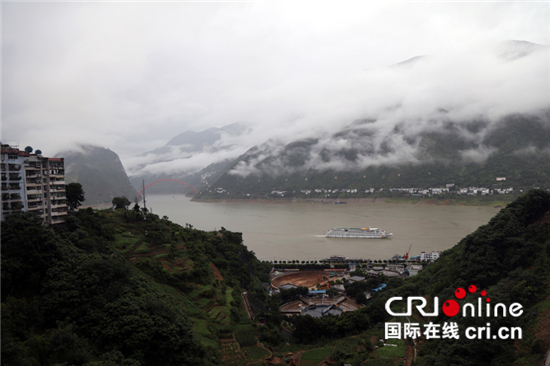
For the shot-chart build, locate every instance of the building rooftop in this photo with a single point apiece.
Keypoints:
(318, 311)
(287, 286)
(379, 288)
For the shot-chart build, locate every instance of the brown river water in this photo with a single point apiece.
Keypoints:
(288, 231)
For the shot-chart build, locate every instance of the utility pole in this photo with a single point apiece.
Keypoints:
(144, 203)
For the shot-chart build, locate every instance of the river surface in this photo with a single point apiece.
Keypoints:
(287, 231)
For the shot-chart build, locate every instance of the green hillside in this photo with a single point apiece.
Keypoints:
(468, 155)
(510, 259)
(112, 288)
(131, 288)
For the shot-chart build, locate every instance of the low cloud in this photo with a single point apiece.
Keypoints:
(131, 76)
(454, 94)
(532, 150)
(478, 155)
(187, 164)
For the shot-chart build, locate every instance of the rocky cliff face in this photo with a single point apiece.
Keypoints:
(100, 173)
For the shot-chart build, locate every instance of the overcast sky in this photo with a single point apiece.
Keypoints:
(130, 76)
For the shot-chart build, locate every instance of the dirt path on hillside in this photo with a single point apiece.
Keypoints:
(217, 274)
(149, 254)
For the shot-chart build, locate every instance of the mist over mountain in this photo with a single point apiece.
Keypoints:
(189, 156)
(363, 156)
(100, 173)
(366, 144)
(439, 112)
(197, 141)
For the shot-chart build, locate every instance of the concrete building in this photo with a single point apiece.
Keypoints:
(353, 279)
(339, 287)
(399, 268)
(32, 182)
(412, 272)
(432, 256)
(390, 274)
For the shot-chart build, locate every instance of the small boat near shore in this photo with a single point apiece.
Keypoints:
(358, 233)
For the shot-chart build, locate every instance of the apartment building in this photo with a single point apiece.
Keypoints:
(32, 182)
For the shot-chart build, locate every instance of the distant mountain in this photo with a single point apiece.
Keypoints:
(195, 158)
(100, 173)
(513, 50)
(205, 139)
(364, 156)
(411, 61)
(423, 138)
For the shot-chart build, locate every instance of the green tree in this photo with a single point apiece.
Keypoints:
(75, 195)
(332, 292)
(361, 298)
(121, 202)
(395, 282)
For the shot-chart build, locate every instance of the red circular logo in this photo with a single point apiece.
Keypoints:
(460, 293)
(472, 289)
(450, 308)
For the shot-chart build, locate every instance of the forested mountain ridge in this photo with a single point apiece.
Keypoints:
(361, 157)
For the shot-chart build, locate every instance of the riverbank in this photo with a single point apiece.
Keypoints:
(291, 200)
(497, 201)
(462, 201)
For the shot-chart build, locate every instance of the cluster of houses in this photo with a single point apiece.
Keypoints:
(397, 270)
(474, 191)
(468, 191)
(319, 303)
(390, 271)
(419, 192)
(423, 257)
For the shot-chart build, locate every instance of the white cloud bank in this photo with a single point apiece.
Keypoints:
(130, 76)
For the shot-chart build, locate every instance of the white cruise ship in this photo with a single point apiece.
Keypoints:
(358, 233)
